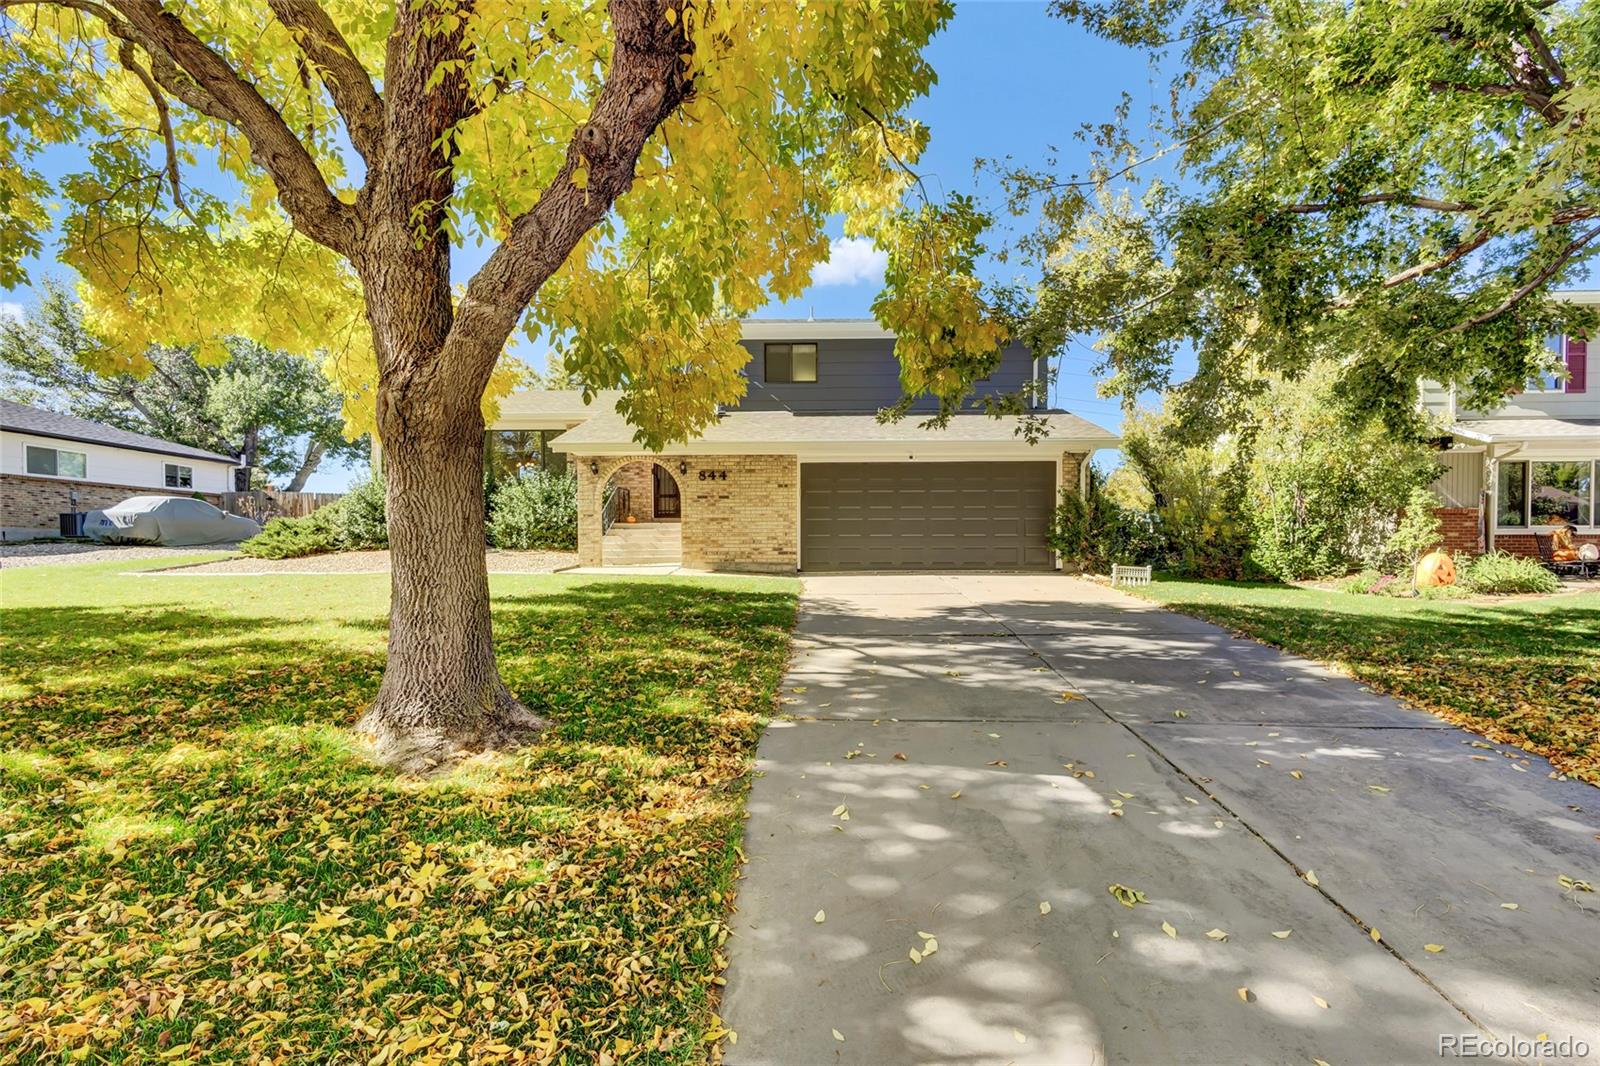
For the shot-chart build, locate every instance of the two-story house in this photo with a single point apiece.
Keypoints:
(801, 474)
(1526, 465)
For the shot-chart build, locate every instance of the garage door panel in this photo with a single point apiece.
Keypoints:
(935, 516)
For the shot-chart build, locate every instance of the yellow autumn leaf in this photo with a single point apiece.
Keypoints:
(1167, 928)
(1433, 948)
(820, 917)
(1319, 1001)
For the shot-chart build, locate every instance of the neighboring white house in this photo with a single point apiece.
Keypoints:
(52, 464)
(1512, 472)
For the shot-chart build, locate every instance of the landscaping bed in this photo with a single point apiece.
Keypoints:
(1523, 671)
(200, 864)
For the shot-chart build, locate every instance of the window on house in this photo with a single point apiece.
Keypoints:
(791, 363)
(1552, 380)
(509, 453)
(179, 477)
(1511, 495)
(56, 462)
(1562, 491)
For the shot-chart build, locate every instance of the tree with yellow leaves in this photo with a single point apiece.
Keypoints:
(645, 171)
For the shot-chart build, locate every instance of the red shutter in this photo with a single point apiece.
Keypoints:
(1577, 363)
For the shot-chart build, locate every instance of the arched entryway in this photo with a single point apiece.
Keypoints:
(640, 514)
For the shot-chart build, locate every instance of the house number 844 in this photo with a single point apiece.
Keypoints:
(713, 475)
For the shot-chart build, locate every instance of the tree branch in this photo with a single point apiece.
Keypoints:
(1534, 99)
(1522, 291)
(1460, 251)
(273, 146)
(1403, 199)
(130, 61)
(645, 84)
(1553, 68)
(335, 62)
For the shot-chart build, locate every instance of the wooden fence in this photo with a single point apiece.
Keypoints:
(262, 504)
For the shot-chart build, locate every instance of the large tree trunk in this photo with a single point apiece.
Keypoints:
(441, 695)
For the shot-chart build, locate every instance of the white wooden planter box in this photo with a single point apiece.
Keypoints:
(1129, 575)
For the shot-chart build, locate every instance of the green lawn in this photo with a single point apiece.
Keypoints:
(1521, 671)
(196, 864)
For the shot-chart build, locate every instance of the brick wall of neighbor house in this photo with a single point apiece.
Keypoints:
(1459, 529)
(37, 502)
(746, 521)
(1524, 544)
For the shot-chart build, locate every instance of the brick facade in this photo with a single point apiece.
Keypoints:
(1524, 543)
(639, 481)
(746, 521)
(38, 502)
(1071, 470)
(1460, 530)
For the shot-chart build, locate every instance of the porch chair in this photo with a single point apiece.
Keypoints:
(1547, 558)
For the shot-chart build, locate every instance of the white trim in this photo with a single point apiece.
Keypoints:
(795, 329)
(1055, 501)
(1492, 483)
(864, 451)
(799, 528)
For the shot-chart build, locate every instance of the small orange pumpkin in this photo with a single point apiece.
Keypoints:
(1436, 568)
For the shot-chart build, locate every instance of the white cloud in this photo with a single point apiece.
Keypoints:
(851, 260)
(11, 310)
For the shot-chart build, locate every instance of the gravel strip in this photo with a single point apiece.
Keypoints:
(377, 562)
(69, 552)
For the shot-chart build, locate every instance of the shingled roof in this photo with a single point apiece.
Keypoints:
(20, 418)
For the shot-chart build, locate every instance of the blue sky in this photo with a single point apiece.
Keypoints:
(1012, 81)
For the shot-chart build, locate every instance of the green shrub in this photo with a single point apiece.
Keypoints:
(1499, 573)
(537, 510)
(361, 518)
(353, 522)
(290, 538)
(1092, 532)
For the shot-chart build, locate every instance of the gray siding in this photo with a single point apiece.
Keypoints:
(1462, 480)
(860, 376)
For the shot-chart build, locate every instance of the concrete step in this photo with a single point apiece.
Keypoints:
(643, 544)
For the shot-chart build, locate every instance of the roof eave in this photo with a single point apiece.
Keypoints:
(901, 450)
(199, 457)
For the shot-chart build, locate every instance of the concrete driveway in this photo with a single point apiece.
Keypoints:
(974, 760)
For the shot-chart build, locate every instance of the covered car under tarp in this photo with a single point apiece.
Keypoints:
(167, 520)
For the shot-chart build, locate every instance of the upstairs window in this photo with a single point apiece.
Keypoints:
(56, 462)
(787, 363)
(179, 477)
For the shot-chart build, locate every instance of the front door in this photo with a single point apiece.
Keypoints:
(667, 503)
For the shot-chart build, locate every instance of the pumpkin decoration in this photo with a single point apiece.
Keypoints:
(1436, 568)
(631, 519)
